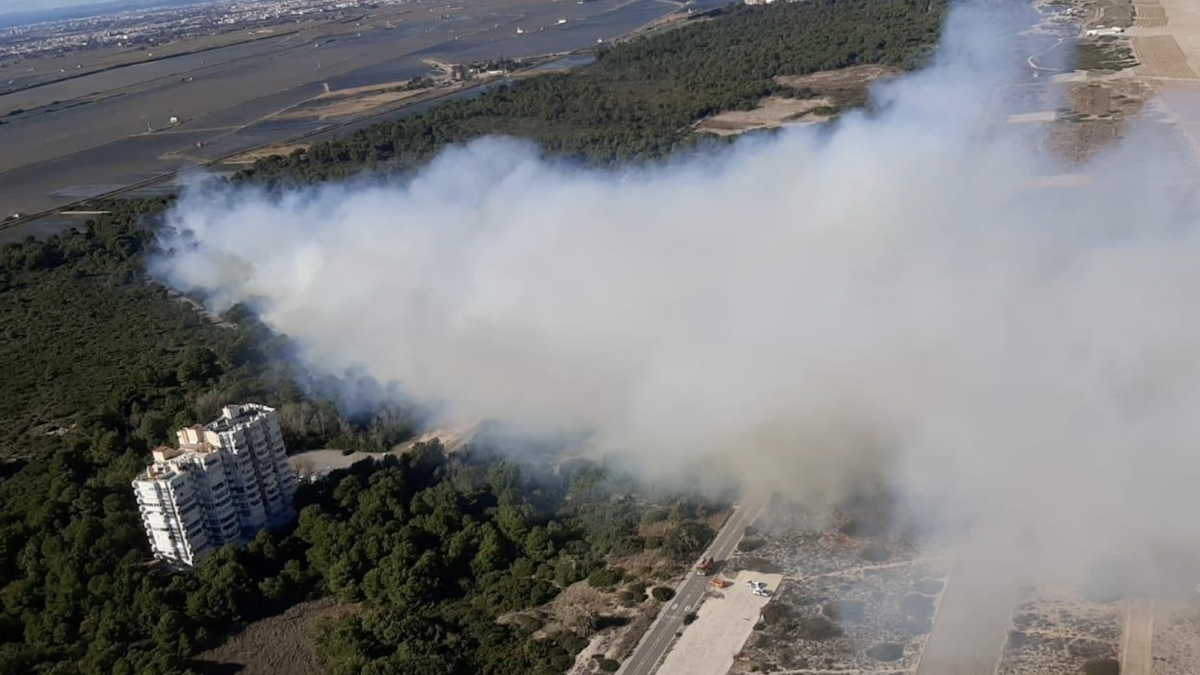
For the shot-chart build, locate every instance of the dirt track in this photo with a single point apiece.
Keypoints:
(969, 630)
(1136, 652)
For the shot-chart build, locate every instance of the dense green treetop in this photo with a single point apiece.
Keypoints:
(640, 98)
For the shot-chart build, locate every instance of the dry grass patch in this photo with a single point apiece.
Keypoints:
(771, 113)
(276, 645)
(263, 153)
(853, 78)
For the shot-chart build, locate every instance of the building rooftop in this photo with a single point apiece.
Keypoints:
(198, 440)
(234, 416)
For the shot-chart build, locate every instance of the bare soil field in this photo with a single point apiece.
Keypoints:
(1161, 56)
(351, 102)
(855, 77)
(771, 113)
(1183, 22)
(263, 153)
(280, 644)
(317, 463)
(1149, 14)
(1056, 631)
(1110, 13)
(852, 600)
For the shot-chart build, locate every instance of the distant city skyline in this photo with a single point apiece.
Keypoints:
(33, 5)
(8, 7)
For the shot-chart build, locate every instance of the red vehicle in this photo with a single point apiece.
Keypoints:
(705, 566)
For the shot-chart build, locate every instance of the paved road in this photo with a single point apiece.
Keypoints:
(655, 643)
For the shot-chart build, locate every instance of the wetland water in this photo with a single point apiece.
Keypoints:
(80, 137)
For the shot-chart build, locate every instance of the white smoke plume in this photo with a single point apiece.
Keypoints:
(886, 299)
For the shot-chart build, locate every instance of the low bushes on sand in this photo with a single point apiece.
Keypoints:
(885, 651)
(1102, 667)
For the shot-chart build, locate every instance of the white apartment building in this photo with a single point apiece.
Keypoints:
(227, 480)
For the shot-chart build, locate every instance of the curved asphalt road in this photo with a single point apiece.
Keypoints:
(688, 596)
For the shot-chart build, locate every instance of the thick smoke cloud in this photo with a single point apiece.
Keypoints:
(888, 300)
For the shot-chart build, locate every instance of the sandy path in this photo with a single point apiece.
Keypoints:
(972, 619)
(1138, 640)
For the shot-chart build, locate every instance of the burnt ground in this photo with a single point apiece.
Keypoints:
(852, 598)
(1176, 647)
(1058, 631)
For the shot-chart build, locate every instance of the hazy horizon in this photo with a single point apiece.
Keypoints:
(14, 7)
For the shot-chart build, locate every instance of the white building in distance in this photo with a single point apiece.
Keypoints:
(227, 480)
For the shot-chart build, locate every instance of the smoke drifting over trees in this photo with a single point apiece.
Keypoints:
(888, 300)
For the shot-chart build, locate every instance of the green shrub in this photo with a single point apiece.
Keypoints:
(776, 613)
(885, 651)
(606, 577)
(817, 628)
(662, 593)
(686, 540)
(653, 516)
(609, 665)
(928, 586)
(605, 621)
(915, 605)
(1017, 639)
(528, 623)
(1102, 667)
(875, 554)
(844, 610)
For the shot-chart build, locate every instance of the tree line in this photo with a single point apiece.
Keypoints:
(638, 100)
